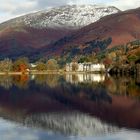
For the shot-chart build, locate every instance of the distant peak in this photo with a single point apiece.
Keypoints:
(83, 5)
(68, 16)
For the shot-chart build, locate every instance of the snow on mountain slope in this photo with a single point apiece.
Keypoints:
(70, 16)
(26, 34)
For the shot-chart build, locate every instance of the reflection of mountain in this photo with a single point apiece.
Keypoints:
(74, 123)
(91, 98)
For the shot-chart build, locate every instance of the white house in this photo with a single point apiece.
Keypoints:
(86, 67)
(97, 67)
(69, 67)
(33, 65)
(80, 67)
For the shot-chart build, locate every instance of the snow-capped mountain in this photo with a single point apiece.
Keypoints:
(26, 34)
(70, 16)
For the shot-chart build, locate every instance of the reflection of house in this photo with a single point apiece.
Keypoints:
(85, 67)
(87, 78)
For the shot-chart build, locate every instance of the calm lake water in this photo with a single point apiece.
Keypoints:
(69, 107)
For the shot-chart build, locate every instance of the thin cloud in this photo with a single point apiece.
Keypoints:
(125, 4)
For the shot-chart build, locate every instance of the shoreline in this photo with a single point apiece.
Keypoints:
(61, 72)
(47, 72)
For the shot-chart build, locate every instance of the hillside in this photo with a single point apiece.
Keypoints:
(25, 35)
(121, 28)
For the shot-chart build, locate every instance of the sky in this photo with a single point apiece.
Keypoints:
(13, 8)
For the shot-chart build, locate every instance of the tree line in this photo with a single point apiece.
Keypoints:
(22, 65)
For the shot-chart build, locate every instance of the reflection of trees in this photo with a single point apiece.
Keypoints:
(133, 89)
(138, 79)
(50, 80)
(6, 81)
(120, 85)
(40, 80)
(123, 85)
(21, 81)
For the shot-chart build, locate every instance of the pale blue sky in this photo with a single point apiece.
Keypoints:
(12, 8)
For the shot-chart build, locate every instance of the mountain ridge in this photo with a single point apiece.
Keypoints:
(72, 16)
(122, 27)
(29, 33)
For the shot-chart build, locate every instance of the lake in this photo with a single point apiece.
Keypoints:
(69, 107)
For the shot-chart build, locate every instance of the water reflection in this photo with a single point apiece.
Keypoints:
(20, 81)
(14, 131)
(50, 80)
(70, 123)
(126, 86)
(84, 78)
(72, 105)
(6, 81)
